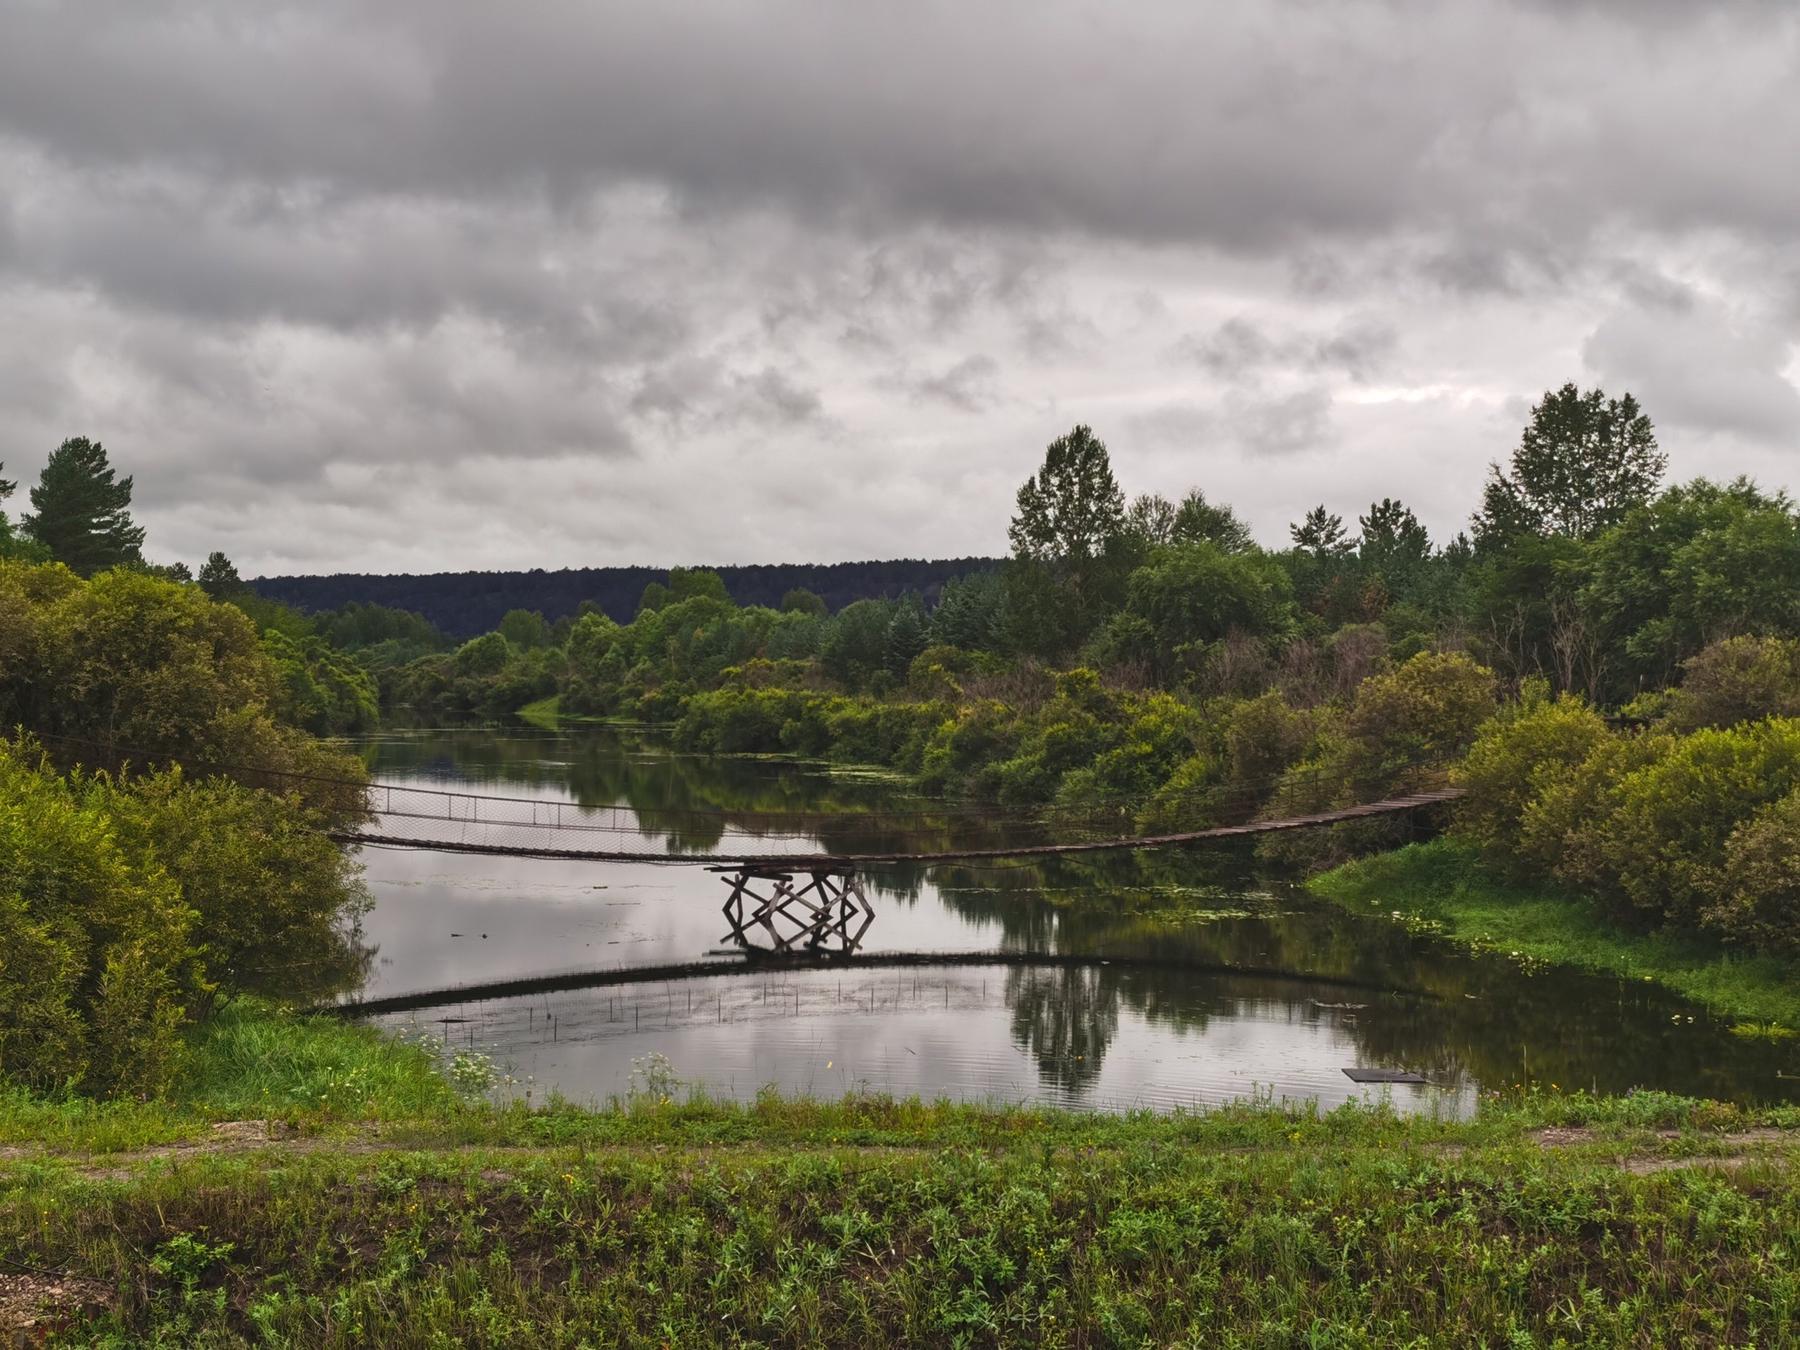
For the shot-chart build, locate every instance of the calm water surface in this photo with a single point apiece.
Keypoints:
(1330, 991)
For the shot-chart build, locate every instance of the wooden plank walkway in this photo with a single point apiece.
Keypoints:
(837, 862)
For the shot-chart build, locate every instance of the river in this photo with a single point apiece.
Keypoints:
(1209, 981)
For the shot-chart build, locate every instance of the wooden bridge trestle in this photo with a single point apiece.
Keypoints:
(828, 912)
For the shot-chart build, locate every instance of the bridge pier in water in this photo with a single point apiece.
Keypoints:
(815, 911)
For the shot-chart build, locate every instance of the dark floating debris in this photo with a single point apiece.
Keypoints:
(1384, 1076)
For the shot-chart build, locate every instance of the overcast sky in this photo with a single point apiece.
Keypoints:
(423, 285)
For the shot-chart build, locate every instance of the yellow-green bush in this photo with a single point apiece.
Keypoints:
(1516, 758)
(1738, 680)
(125, 906)
(1659, 838)
(1757, 896)
(96, 966)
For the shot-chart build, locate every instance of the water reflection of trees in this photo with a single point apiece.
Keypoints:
(689, 803)
(1066, 1017)
(1425, 1004)
(1477, 1016)
(1484, 1023)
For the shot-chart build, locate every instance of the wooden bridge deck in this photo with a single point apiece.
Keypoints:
(845, 862)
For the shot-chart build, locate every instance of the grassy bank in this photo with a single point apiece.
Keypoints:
(1445, 883)
(396, 1211)
(543, 712)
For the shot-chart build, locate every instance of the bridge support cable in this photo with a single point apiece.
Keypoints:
(767, 861)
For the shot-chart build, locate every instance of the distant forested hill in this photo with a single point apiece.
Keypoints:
(465, 604)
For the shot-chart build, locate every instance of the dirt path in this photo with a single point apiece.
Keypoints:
(1747, 1146)
(231, 1137)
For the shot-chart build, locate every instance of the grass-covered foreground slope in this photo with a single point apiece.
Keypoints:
(1445, 882)
(390, 1212)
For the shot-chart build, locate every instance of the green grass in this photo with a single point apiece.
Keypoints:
(543, 712)
(1445, 883)
(252, 1059)
(1135, 1246)
(407, 1213)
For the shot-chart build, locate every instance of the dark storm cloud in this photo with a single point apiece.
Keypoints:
(1242, 125)
(549, 273)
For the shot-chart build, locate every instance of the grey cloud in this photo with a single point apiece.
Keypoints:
(1703, 371)
(1243, 350)
(342, 283)
(774, 397)
(967, 386)
(1286, 425)
(1247, 127)
(1182, 425)
(702, 391)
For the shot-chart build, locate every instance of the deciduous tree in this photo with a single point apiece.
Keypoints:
(1583, 461)
(1069, 544)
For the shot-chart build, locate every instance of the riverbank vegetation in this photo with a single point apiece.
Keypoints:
(1665, 850)
(1446, 884)
(136, 896)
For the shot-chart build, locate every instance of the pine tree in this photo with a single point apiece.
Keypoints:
(1321, 534)
(80, 513)
(219, 576)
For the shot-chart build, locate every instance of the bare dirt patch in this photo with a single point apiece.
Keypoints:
(1748, 1146)
(1562, 1136)
(34, 1306)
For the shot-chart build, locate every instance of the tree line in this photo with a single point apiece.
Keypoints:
(1137, 664)
(467, 604)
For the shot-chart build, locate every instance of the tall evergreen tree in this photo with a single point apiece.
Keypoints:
(81, 513)
(1393, 541)
(1321, 534)
(219, 576)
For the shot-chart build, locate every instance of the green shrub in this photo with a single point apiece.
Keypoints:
(96, 967)
(1263, 736)
(1756, 901)
(1186, 799)
(963, 749)
(276, 901)
(319, 688)
(1429, 708)
(485, 655)
(1516, 757)
(1658, 841)
(126, 905)
(1737, 680)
